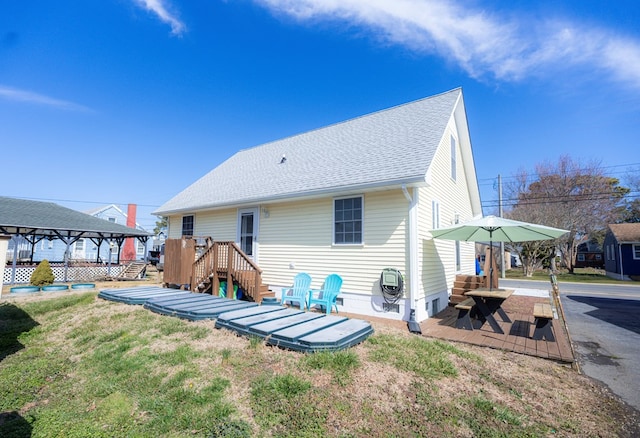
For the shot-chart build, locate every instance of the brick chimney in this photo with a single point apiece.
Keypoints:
(129, 251)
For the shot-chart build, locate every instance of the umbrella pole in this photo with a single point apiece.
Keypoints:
(490, 260)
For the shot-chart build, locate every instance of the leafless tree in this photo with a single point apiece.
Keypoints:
(631, 210)
(570, 195)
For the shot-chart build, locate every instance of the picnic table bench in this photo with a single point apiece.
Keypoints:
(465, 309)
(543, 315)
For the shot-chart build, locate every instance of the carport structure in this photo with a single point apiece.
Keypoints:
(37, 220)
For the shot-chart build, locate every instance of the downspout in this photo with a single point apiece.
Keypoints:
(412, 227)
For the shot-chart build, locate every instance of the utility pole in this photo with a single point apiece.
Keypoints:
(502, 260)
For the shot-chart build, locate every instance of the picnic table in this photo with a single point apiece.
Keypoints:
(487, 303)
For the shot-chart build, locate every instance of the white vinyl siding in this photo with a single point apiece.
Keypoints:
(439, 258)
(298, 237)
(220, 225)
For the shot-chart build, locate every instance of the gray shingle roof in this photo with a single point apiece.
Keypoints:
(42, 218)
(385, 148)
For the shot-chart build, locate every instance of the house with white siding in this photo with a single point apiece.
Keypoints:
(351, 198)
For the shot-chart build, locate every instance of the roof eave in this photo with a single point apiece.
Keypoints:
(419, 181)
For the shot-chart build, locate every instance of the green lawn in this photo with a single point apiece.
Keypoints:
(78, 366)
(580, 275)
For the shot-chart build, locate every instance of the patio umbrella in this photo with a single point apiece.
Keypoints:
(497, 229)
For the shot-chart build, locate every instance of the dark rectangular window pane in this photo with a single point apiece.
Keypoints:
(348, 221)
(187, 225)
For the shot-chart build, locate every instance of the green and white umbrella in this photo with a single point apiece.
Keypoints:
(496, 229)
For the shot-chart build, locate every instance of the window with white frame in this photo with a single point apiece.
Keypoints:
(140, 248)
(347, 221)
(79, 245)
(187, 225)
(435, 215)
(453, 158)
(112, 219)
(581, 257)
(636, 251)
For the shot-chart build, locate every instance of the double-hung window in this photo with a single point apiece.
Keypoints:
(453, 158)
(140, 248)
(187, 225)
(435, 215)
(347, 221)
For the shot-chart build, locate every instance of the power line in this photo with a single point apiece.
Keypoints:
(558, 199)
(491, 180)
(85, 202)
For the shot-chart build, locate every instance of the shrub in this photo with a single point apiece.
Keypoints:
(43, 275)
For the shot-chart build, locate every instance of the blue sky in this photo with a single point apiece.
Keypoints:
(130, 101)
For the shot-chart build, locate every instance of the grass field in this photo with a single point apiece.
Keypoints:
(580, 275)
(74, 365)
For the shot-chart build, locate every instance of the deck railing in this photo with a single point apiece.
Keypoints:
(227, 262)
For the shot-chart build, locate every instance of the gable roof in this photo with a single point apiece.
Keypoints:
(386, 148)
(21, 216)
(626, 232)
(99, 210)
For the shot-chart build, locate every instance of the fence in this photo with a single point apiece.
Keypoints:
(74, 273)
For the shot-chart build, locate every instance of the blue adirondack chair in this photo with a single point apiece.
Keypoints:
(298, 292)
(326, 297)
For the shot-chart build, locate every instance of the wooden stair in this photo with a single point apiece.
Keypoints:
(463, 284)
(133, 271)
(207, 285)
(225, 261)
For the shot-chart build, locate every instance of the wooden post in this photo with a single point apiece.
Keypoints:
(215, 283)
(488, 264)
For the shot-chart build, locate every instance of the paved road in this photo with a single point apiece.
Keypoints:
(605, 330)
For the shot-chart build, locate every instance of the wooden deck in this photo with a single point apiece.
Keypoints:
(517, 336)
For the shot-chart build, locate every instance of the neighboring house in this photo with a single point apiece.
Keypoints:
(352, 198)
(589, 255)
(622, 251)
(83, 249)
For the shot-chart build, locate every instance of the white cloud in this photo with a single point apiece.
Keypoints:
(482, 43)
(17, 95)
(158, 7)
